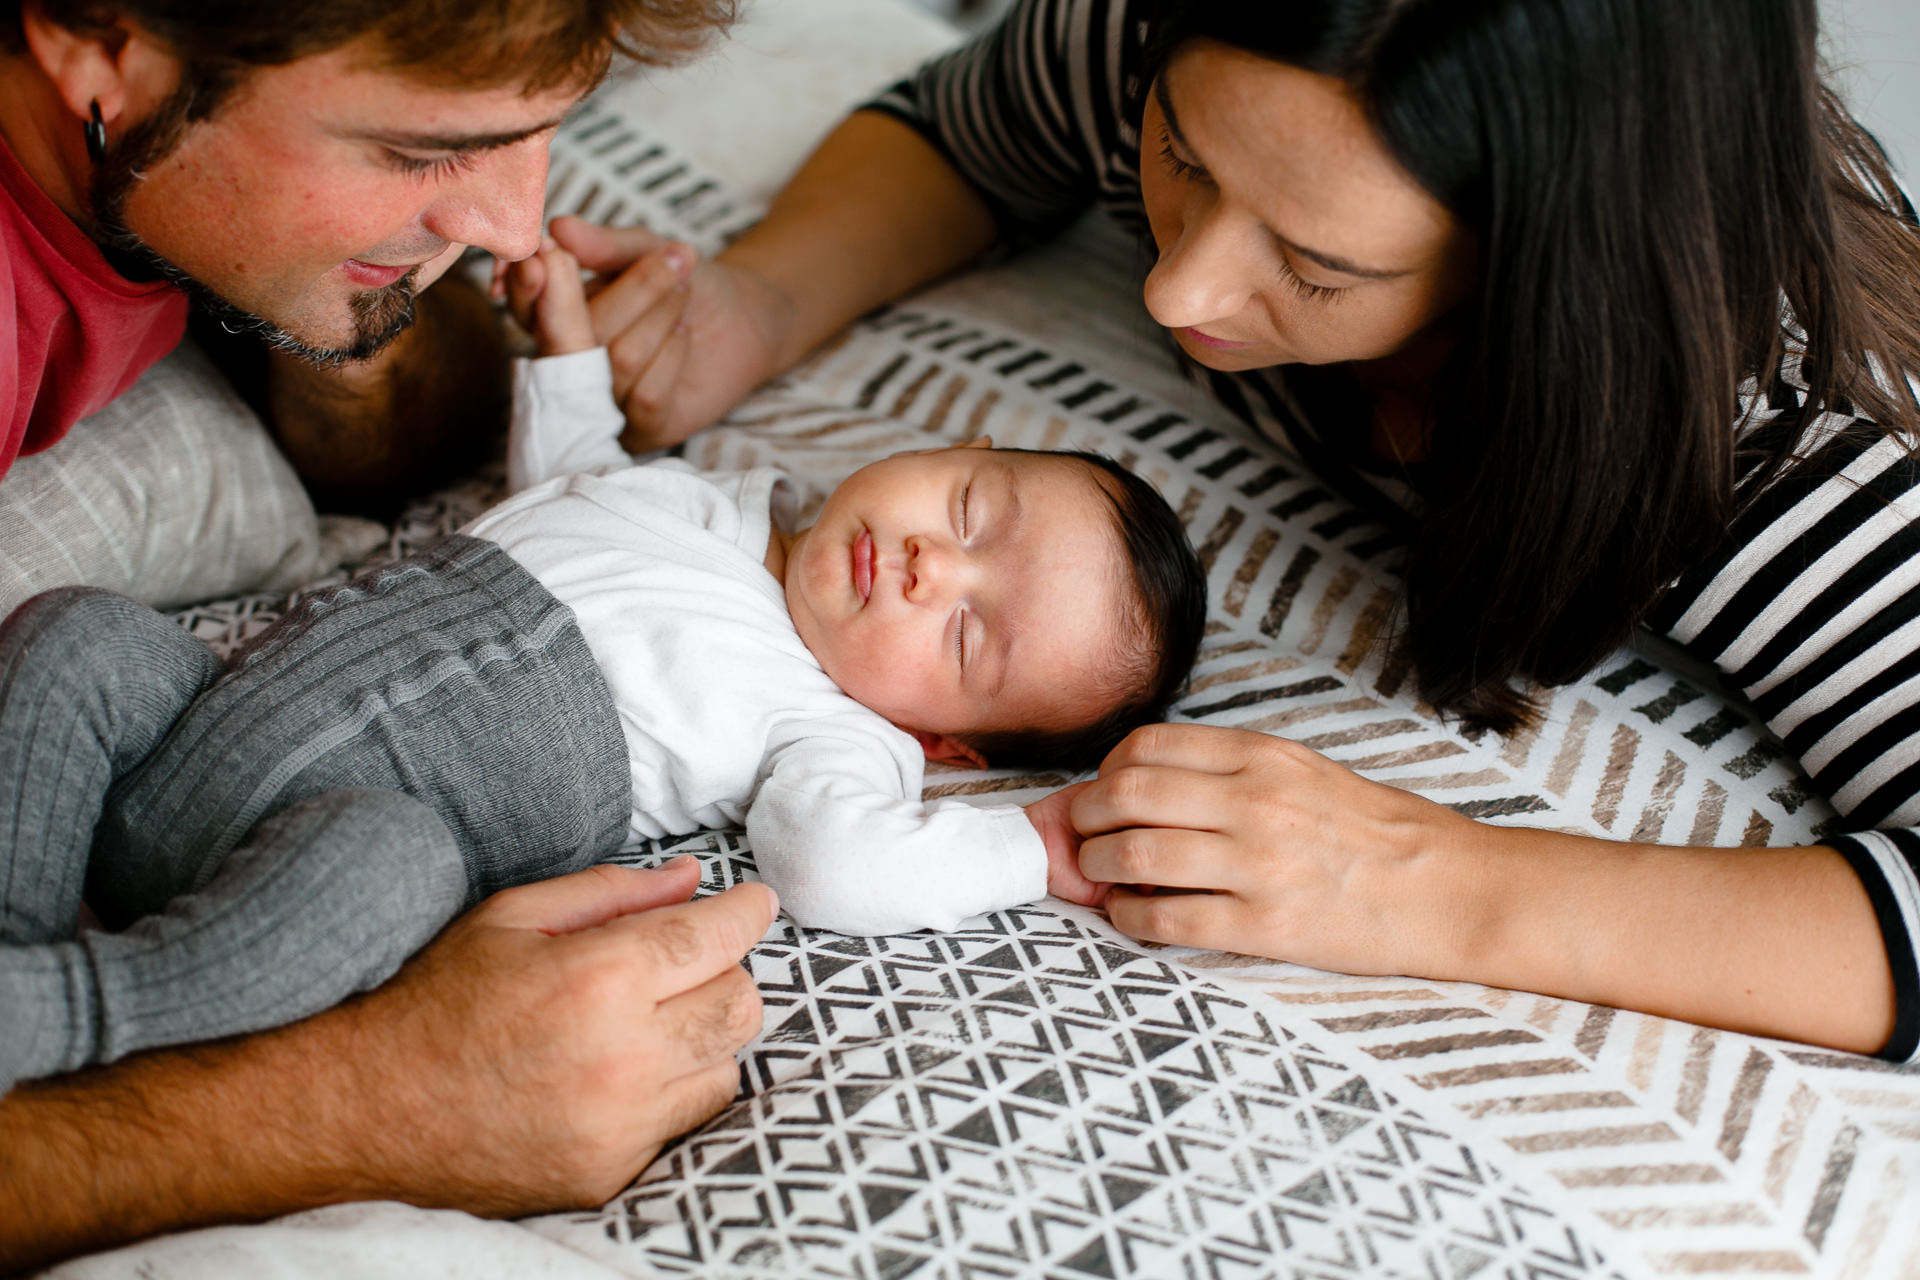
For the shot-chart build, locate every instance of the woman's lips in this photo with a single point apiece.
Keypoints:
(863, 565)
(372, 275)
(1208, 340)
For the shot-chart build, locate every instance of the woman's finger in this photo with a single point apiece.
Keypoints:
(649, 404)
(1156, 796)
(639, 346)
(1204, 748)
(1209, 920)
(1163, 856)
(638, 290)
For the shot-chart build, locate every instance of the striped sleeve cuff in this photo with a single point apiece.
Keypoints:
(1888, 864)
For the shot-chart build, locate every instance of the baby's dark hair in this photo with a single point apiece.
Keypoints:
(1160, 640)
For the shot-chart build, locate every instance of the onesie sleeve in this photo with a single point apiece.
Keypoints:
(564, 419)
(1812, 609)
(1010, 111)
(846, 850)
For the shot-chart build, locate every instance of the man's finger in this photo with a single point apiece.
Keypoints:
(688, 943)
(604, 248)
(708, 1024)
(588, 899)
(1171, 858)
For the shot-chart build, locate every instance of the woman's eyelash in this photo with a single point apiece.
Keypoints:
(1311, 292)
(1181, 169)
(438, 167)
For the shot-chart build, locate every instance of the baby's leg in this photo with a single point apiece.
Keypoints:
(324, 899)
(89, 683)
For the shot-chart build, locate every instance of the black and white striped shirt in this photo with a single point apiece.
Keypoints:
(1812, 607)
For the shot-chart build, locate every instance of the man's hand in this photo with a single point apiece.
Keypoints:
(535, 1057)
(1051, 818)
(539, 1054)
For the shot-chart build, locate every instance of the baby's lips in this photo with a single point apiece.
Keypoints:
(863, 565)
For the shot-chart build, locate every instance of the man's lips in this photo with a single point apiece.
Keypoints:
(374, 275)
(863, 565)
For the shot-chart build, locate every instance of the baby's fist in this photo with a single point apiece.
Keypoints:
(1049, 817)
(548, 297)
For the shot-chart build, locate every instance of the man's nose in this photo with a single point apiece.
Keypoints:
(497, 204)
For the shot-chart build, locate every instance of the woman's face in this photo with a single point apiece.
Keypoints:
(1287, 233)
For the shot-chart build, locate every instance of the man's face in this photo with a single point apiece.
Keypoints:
(966, 591)
(322, 194)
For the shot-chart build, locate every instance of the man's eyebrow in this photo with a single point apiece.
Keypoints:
(453, 141)
(1331, 262)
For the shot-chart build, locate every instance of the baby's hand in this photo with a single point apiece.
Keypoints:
(1049, 818)
(548, 297)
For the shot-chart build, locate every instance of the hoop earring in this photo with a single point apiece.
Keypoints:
(96, 130)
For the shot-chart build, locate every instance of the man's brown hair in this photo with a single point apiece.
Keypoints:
(539, 44)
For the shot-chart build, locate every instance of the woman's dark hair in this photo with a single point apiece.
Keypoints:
(1161, 638)
(1665, 200)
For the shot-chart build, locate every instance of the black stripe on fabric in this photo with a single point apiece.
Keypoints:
(1827, 668)
(1869, 749)
(1900, 1046)
(1235, 392)
(1888, 798)
(1791, 561)
(1877, 566)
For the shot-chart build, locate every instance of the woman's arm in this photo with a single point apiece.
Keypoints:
(1304, 860)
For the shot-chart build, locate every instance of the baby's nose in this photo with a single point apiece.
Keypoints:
(931, 568)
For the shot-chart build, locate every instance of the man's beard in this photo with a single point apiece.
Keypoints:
(379, 315)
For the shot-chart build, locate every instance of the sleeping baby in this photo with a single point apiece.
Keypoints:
(614, 652)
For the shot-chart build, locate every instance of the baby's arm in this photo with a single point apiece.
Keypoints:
(838, 836)
(564, 417)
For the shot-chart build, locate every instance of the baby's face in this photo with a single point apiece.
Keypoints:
(966, 591)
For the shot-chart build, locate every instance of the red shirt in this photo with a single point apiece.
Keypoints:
(74, 333)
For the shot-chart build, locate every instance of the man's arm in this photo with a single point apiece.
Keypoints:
(366, 437)
(535, 1057)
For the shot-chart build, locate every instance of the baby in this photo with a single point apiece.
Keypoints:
(638, 653)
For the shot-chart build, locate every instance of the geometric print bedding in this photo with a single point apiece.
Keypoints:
(1035, 1095)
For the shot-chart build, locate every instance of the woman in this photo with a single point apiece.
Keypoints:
(1580, 291)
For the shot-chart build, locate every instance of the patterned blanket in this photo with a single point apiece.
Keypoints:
(1035, 1095)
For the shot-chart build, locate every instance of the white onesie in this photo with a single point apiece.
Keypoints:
(726, 713)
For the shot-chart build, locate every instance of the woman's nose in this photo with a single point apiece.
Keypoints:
(1204, 276)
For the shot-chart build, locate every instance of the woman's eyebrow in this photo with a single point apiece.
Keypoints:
(1332, 262)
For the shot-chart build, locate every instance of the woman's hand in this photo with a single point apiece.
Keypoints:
(1237, 841)
(688, 340)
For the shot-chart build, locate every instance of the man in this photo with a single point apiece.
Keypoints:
(304, 173)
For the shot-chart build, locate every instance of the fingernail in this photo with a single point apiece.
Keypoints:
(776, 899)
(681, 860)
(678, 257)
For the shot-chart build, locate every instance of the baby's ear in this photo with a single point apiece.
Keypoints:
(941, 749)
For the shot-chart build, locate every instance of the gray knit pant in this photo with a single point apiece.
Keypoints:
(270, 838)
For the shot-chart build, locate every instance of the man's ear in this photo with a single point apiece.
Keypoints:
(941, 749)
(114, 63)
